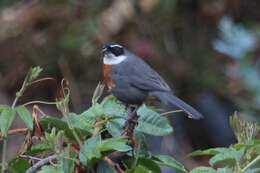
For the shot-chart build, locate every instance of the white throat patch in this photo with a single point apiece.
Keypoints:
(111, 59)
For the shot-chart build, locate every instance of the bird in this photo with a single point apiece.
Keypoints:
(132, 81)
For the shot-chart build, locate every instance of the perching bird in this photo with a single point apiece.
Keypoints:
(132, 81)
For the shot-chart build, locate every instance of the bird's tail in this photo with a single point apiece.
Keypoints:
(170, 100)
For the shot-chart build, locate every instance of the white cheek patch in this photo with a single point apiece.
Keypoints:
(110, 59)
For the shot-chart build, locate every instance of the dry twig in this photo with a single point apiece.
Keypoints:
(41, 163)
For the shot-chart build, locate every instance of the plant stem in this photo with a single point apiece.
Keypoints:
(18, 95)
(4, 155)
(251, 163)
(65, 114)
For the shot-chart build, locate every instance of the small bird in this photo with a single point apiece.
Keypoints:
(132, 81)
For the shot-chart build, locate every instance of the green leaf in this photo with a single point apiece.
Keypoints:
(227, 158)
(152, 123)
(138, 169)
(211, 151)
(18, 165)
(253, 170)
(165, 160)
(90, 150)
(104, 167)
(6, 119)
(26, 116)
(78, 122)
(203, 169)
(141, 169)
(95, 110)
(225, 170)
(116, 143)
(149, 164)
(34, 73)
(113, 108)
(2, 107)
(39, 148)
(68, 161)
(116, 113)
(51, 169)
(48, 121)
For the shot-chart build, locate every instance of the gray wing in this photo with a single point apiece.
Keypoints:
(142, 76)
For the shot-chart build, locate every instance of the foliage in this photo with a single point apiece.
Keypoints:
(85, 141)
(243, 157)
(92, 140)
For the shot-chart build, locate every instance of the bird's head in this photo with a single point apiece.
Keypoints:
(113, 54)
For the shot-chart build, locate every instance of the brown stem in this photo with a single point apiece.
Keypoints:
(15, 131)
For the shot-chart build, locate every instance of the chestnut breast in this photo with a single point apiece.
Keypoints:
(107, 70)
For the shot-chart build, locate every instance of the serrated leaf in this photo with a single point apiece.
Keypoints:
(211, 151)
(78, 122)
(165, 160)
(113, 108)
(18, 165)
(90, 150)
(104, 167)
(6, 119)
(117, 114)
(203, 169)
(26, 116)
(227, 158)
(116, 143)
(151, 122)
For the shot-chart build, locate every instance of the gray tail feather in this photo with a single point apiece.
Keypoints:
(172, 101)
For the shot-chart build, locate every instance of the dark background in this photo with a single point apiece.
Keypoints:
(207, 50)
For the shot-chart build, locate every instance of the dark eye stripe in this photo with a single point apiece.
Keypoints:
(117, 51)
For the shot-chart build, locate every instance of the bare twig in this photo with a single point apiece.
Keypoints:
(130, 124)
(43, 79)
(41, 163)
(30, 157)
(15, 131)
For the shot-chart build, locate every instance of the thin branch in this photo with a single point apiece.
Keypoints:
(43, 79)
(41, 163)
(40, 102)
(18, 95)
(251, 163)
(15, 131)
(30, 157)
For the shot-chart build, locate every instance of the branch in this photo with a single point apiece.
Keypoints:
(15, 131)
(130, 124)
(30, 157)
(251, 163)
(41, 163)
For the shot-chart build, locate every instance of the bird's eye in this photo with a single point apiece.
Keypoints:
(117, 51)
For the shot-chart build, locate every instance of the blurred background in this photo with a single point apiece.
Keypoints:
(207, 50)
